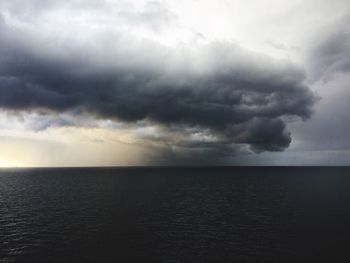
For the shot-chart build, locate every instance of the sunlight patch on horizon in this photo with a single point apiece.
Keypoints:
(7, 163)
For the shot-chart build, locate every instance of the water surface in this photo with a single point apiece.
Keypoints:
(175, 215)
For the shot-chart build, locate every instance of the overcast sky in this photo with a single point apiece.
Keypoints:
(203, 82)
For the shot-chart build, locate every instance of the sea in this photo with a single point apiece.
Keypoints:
(175, 214)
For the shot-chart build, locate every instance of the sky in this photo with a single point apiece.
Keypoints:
(202, 82)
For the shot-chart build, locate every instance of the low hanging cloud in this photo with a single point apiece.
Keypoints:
(209, 97)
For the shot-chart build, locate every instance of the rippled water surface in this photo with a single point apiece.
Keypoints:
(175, 215)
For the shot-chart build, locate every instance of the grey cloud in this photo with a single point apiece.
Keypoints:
(329, 127)
(154, 15)
(331, 53)
(281, 46)
(31, 8)
(44, 122)
(236, 96)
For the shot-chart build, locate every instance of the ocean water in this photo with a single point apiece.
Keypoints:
(256, 214)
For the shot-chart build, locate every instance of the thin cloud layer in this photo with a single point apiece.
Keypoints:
(208, 96)
(331, 54)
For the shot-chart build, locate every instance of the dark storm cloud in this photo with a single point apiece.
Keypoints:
(222, 94)
(331, 54)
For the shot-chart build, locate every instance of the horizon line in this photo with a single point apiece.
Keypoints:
(170, 166)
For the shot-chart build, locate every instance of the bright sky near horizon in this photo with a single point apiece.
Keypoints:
(130, 82)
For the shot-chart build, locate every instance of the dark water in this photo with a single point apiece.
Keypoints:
(175, 215)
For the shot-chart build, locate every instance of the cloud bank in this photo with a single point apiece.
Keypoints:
(206, 97)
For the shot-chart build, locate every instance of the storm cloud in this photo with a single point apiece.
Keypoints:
(209, 96)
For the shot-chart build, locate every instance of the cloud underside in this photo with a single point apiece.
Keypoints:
(206, 97)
